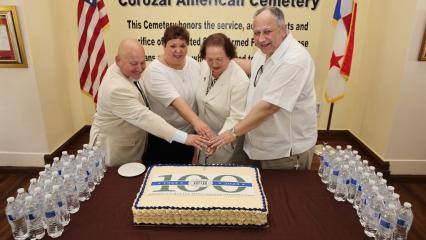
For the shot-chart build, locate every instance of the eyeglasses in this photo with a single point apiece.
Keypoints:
(256, 78)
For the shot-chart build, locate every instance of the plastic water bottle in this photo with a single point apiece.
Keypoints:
(33, 185)
(366, 196)
(359, 187)
(58, 197)
(20, 197)
(51, 212)
(82, 184)
(38, 197)
(334, 174)
(71, 194)
(403, 222)
(343, 180)
(376, 207)
(48, 171)
(326, 172)
(34, 217)
(47, 188)
(16, 219)
(353, 181)
(98, 169)
(57, 166)
(325, 151)
(103, 154)
(386, 223)
(64, 157)
(57, 180)
(89, 172)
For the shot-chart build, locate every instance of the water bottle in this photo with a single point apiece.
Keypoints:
(64, 157)
(41, 178)
(403, 222)
(343, 181)
(334, 174)
(386, 223)
(97, 168)
(58, 197)
(375, 208)
(38, 197)
(82, 184)
(51, 212)
(353, 177)
(325, 151)
(89, 173)
(57, 165)
(33, 185)
(395, 201)
(102, 153)
(48, 171)
(16, 219)
(367, 193)
(363, 178)
(20, 197)
(326, 171)
(71, 194)
(348, 150)
(68, 169)
(34, 217)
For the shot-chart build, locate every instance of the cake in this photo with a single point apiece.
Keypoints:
(221, 195)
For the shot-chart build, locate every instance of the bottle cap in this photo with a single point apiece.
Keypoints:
(10, 199)
(64, 153)
(407, 204)
(20, 190)
(56, 159)
(33, 180)
(338, 147)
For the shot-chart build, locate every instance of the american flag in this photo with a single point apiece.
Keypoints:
(92, 18)
(344, 18)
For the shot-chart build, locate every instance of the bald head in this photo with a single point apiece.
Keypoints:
(131, 59)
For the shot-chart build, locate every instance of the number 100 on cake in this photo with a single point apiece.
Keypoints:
(201, 195)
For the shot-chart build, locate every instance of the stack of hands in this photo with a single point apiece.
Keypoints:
(207, 140)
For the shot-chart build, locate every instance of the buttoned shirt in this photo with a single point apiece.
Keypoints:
(286, 80)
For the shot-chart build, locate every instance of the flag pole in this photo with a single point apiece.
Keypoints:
(330, 114)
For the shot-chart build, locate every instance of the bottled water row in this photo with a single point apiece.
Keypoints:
(378, 206)
(56, 194)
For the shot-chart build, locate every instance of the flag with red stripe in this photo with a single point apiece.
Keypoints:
(341, 58)
(92, 19)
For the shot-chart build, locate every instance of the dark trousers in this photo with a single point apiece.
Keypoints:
(159, 151)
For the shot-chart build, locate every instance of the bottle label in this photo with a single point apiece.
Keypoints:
(385, 223)
(374, 214)
(97, 163)
(88, 173)
(353, 181)
(326, 164)
(359, 188)
(60, 204)
(401, 222)
(347, 181)
(335, 172)
(11, 218)
(31, 216)
(60, 172)
(50, 214)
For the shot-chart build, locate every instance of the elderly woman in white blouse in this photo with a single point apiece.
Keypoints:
(221, 97)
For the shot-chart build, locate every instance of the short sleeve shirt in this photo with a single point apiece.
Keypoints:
(287, 81)
(164, 84)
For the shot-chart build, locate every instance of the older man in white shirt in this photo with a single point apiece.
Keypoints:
(280, 125)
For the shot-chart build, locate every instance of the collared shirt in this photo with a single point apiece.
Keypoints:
(287, 81)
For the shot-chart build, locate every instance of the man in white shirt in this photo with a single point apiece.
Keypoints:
(280, 125)
(123, 117)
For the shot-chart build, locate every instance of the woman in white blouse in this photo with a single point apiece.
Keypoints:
(170, 82)
(222, 95)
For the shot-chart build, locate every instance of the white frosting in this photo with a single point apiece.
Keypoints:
(222, 195)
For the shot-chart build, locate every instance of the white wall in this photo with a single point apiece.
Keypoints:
(22, 134)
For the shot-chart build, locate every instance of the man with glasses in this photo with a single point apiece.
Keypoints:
(280, 125)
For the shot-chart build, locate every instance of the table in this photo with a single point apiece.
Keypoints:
(300, 207)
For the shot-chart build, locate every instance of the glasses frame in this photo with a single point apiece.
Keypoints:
(258, 74)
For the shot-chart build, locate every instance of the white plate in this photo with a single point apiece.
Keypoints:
(132, 169)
